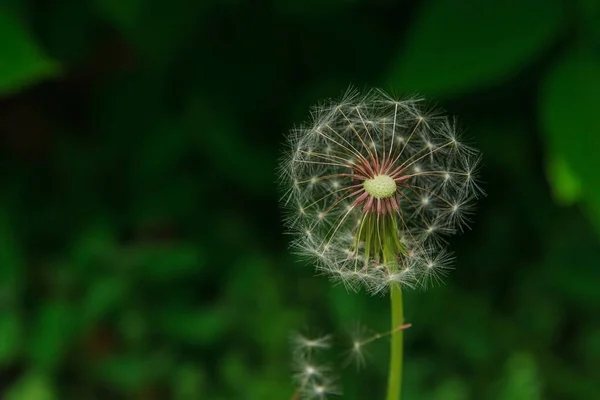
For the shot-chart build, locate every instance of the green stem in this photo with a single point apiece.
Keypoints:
(381, 241)
(395, 373)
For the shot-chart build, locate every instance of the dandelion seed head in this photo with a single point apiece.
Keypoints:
(372, 187)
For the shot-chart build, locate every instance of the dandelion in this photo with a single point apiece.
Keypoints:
(373, 186)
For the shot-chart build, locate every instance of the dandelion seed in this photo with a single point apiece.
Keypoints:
(303, 343)
(306, 371)
(360, 338)
(314, 380)
(320, 390)
(357, 353)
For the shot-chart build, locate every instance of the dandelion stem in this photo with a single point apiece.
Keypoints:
(395, 373)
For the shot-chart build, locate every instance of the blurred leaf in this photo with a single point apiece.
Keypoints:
(466, 332)
(32, 386)
(455, 46)
(133, 328)
(94, 245)
(451, 389)
(10, 337)
(565, 184)
(197, 327)
(188, 382)
(158, 262)
(235, 371)
(571, 261)
(22, 63)
(51, 334)
(271, 382)
(548, 316)
(415, 378)
(569, 116)
(102, 296)
(126, 372)
(521, 380)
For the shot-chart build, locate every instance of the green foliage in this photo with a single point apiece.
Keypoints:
(454, 47)
(141, 248)
(451, 389)
(569, 103)
(188, 383)
(565, 183)
(51, 333)
(521, 381)
(127, 372)
(194, 327)
(10, 332)
(32, 386)
(23, 62)
(103, 295)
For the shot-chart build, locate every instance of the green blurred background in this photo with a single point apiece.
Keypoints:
(141, 248)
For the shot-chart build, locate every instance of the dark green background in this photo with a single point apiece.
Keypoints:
(141, 248)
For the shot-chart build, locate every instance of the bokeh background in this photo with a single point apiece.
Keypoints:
(141, 248)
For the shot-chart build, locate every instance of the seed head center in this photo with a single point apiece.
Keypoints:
(380, 187)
